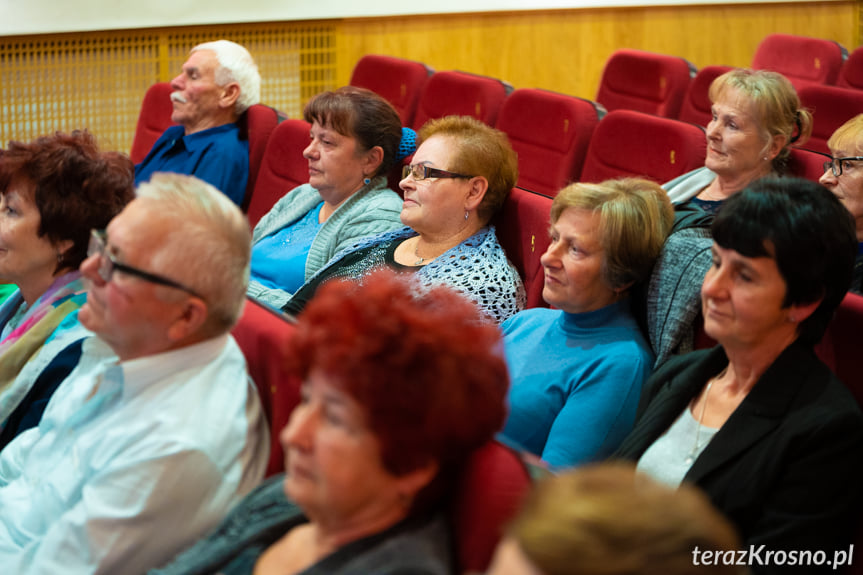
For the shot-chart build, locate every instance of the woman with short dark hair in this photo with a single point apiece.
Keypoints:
(53, 192)
(356, 139)
(759, 422)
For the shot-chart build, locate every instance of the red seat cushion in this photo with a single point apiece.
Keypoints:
(696, 108)
(627, 143)
(283, 167)
(461, 94)
(851, 75)
(522, 228)
(261, 334)
(550, 133)
(644, 81)
(398, 81)
(801, 59)
(153, 119)
(831, 107)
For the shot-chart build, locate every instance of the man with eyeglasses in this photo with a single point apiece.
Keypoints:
(158, 430)
(843, 175)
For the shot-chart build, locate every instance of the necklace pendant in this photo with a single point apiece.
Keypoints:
(419, 262)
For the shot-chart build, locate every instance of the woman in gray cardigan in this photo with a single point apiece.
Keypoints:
(355, 140)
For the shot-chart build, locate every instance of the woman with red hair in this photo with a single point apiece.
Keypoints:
(398, 389)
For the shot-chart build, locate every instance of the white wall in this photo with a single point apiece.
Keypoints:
(46, 16)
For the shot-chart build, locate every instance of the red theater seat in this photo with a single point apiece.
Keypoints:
(153, 119)
(840, 348)
(806, 164)
(257, 125)
(851, 75)
(283, 167)
(801, 59)
(550, 133)
(627, 143)
(261, 334)
(697, 106)
(644, 81)
(522, 228)
(490, 493)
(398, 81)
(831, 107)
(462, 94)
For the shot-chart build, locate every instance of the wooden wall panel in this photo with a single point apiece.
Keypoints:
(566, 50)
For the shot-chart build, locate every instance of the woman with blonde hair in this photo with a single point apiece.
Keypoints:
(577, 370)
(603, 520)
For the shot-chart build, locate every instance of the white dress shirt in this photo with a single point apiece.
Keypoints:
(132, 461)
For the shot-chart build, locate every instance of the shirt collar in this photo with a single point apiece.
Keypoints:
(195, 142)
(144, 372)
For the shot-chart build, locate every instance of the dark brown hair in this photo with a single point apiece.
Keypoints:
(74, 186)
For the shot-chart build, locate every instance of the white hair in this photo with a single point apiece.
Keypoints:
(236, 65)
(209, 245)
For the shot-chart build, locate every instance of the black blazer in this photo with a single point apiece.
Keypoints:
(786, 467)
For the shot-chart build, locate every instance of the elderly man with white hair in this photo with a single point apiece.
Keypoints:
(218, 83)
(158, 430)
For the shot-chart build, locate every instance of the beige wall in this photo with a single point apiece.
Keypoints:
(565, 50)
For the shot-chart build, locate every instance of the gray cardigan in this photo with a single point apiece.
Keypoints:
(684, 188)
(373, 209)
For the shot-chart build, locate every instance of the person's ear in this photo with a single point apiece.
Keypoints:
(777, 142)
(191, 317)
(476, 192)
(797, 313)
(412, 482)
(229, 95)
(373, 160)
(62, 247)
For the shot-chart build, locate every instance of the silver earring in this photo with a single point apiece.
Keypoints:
(466, 215)
(765, 158)
(367, 181)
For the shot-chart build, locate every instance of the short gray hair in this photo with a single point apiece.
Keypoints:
(209, 245)
(236, 65)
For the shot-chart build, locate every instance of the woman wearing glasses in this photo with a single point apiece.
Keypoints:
(53, 191)
(843, 175)
(461, 174)
(356, 137)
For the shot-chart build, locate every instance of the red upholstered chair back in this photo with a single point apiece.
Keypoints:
(522, 229)
(831, 107)
(840, 347)
(627, 143)
(696, 108)
(644, 81)
(153, 119)
(851, 75)
(261, 334)
(256, 125)
(283, 167)
(398, 81)
(806, 164)
(801, 59)
(462, 94)
(550, 133)
(490, 493)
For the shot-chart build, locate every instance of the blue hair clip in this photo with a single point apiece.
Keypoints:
(408, 144)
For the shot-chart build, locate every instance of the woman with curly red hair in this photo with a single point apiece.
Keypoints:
(398, 389)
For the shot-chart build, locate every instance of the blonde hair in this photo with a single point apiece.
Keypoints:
(635, 218)
(606, 520)
(777, 108)
(848, 136)
(480, 150)
(209, 245)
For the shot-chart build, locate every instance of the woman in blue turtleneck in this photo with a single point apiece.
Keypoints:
(577, 370)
